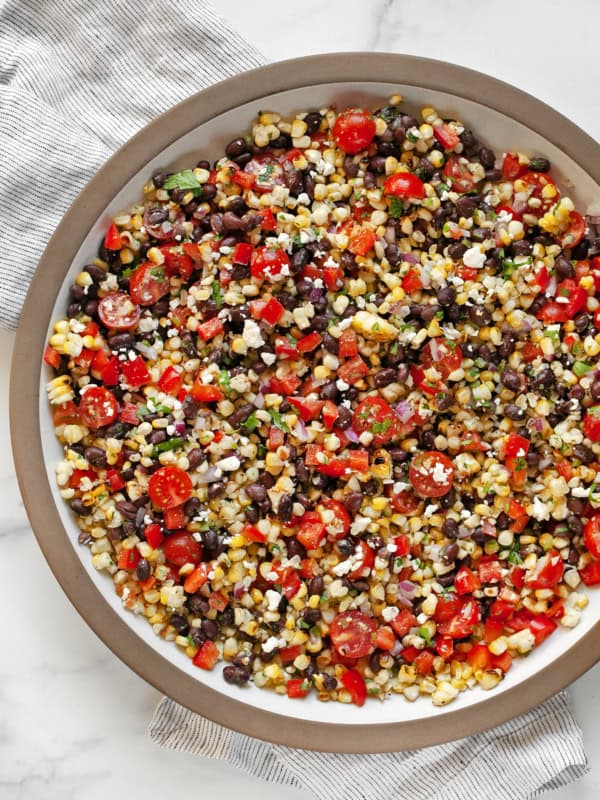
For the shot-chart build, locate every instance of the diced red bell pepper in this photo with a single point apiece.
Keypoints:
(242, 253)
(424, 662)
(402, 543)
(252, 533)
(211, 328)
(52, 357)
(78, 475)
(272, 312)
(135, 372)
(330, 414)
(154, 535)
(129, 415)
(290, 583)
(128, 559)
(112, 238)
(354, 683)
(207, 656)
(174, 518)
(591, 424)
(361, 240)
(516, 445)
(353, 370)
(286, 385)
(548, 571)
(276, 438)
(332, 278)
(110, 372)
(466, 581)
(590, 574)
(409, 654)
(284, 348)
(309, 342)
(479, 657)
(311, 530)
(348, 344)
(206, 392)
(171, 381)
(196, 579)
(297, 687)
(412, 281)
(444, 646)
(489, 570)
(308, 409)
(269, 223)
(289, 654)
(541, 626)
(512, 168)
(114, 480)
(446, 136)
(502, 662)
(403, 622)
(493, 628)
(244, 179)
(519, 516)
(384, 638)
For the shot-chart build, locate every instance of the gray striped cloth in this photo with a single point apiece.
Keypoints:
(77, 79)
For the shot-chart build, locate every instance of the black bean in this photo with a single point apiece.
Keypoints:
(236, 147)
(544, 379)
(369, 180)
(350, 168)
(487, 157)
(127, 509)
(215, 489)
(582, 321)
(95, 455)
(121, 341)
(79, 508)
(238, 676)
(465, 206)
(302, 473)
(457, 250)
(537, 305)
(353, 501)
(374, 661)
(309, 184)
(447, 579)
(240, 415)
(311, 615)
(142, 571)
(539, 164)
(511, 379)
(315, 586)
(284, 509)
(449, 553)
(480, 316)
(312, 122)
(584, 453)
(521, 248)
(195, 457)
(329, 391)
(446, 296)
(575, 525)
(237, 316)
(450, 528)
(344, 419)
(576, 505)
(595, 389)
(210, 628)
(513, 412)
(294, 548)
(577, 393)
(427, 440)
(564, 268)
(377, 164)
(532, 458)
(345, 546)
(192, 507)
(384, 377)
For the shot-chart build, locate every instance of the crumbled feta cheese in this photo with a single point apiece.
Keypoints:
(252, 335)
(539, 510)
(342, 385)
(389, 613)
(273, 599)
(268, 358)
(473, 257)
(229, 464)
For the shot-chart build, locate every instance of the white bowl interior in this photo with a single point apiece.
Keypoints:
(207, 141)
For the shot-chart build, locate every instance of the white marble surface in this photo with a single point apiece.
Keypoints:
(72, 717)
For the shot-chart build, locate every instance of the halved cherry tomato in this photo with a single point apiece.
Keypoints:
(348, 344)
(570, 300)
(207, 656)
(590, 574)
(574, 232)
(458, 174)
(354, 683)
(375, 415)
(591, 536)
(548, 571)
(112, 238)
(534, 184)
(181, 548)
(311, 530)
(129, 414)
(406, 502)
(354, 130)
(308, 409)
(177, 262)
(148, 284)
(443, 355)
(339, 525)
(591, 424)
(268, 263)
(364, 560)
(97, 407)
(447, 607)
(431, 474)
(135, 372)
(267, 172)
(384, 638)
(286, 385)
(406, 185)
(444, 646)
(446, 136)
(462, 624)
(169, 486)
(242, 253)
(352, 634)
(361, 240)
(52, 357)
(512, 168)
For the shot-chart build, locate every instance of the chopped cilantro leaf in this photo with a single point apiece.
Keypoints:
(184, 180)
(396, 207)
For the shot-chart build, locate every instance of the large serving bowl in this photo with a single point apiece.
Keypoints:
(200, 127)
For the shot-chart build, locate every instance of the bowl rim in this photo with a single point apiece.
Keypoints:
(345, 67)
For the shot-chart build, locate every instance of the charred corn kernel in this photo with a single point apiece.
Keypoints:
(490, 678)
(155, 255)
(381, 467)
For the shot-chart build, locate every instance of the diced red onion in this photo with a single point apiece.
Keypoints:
(408, 589)
(259, 400)
(435, 349)
(180, 427)
(239, 590)
(404, 410)
(410, 258)
(147, 350)
(300, 431)
(551, 290)
(536, 424)
(351, 435)
(212, 474)
(519, 203)
(489, 527)
(390, 234)
(397, 648)
(401, 600)
(545, 463)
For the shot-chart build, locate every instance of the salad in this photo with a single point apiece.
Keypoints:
(330, 406)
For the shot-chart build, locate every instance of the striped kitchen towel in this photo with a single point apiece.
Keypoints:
(77, 79)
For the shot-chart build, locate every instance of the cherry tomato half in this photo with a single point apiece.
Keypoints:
(533, 185)
(405, 185)
(268, 172)
(352, 634)
(459, 175)
(591, 536)
(181, 548)
(118, 312)
(575, 231)
(431, 474)
(97, 407)
(374, 415)
(354, 130)
(268, 263)
(169, 487)
(148, 284)
(338, 527)
(443, 355)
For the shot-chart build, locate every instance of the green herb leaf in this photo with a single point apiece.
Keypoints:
(424, 634)
(278, 420)
(224, 380)
(183, 180)
(396, 207)
(581, 368)
(252, 422)
(217, 294)
(163, 447)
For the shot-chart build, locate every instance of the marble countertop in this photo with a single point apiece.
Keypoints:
(72, 717)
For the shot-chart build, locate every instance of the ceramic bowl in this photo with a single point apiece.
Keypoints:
(200, 127)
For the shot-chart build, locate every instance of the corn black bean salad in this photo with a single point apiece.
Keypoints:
(330, 407)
